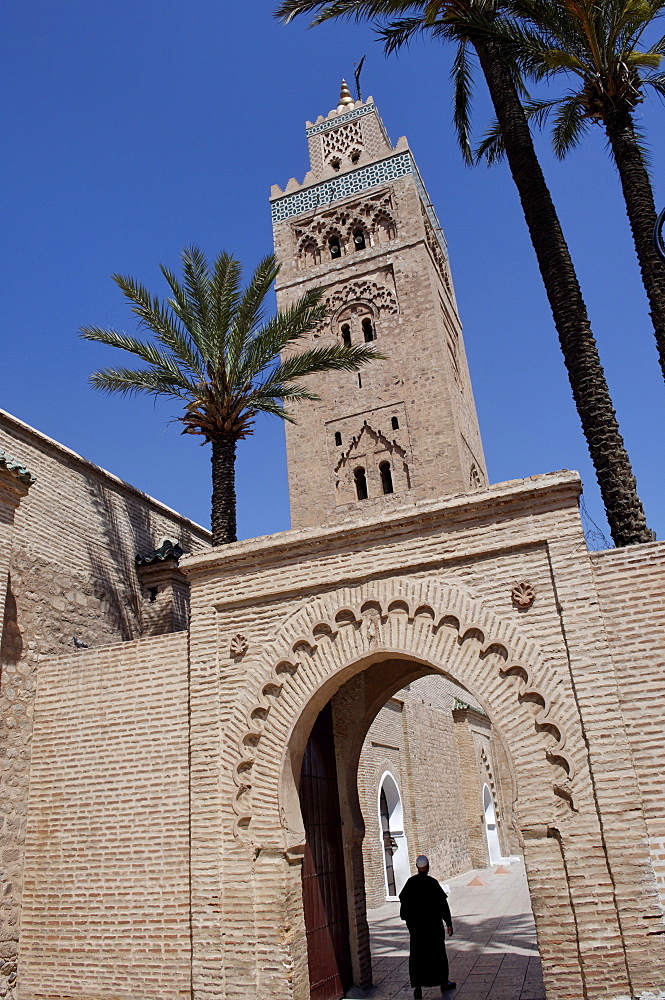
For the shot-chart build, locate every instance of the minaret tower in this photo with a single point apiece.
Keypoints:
(361, 226)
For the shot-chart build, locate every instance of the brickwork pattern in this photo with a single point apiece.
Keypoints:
(300, 649)
(383, 750)
(66, 569)
(426, 591)
(106, 896)
(631, 590)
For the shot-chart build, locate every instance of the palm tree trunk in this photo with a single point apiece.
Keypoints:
(223, 489)
(641, 210)
(587, 379)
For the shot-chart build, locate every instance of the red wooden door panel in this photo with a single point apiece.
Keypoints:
(323, 881)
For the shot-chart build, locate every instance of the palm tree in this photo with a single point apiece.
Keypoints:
(215, 351)
(449, 19)
(598, 44)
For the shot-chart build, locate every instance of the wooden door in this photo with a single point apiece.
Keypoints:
(323, 881)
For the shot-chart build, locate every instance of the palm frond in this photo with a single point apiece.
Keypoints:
(398, 34)
(295, 393)
(657, 81)
(197, 287)
(658, 46)
(129, 382)
(491, 149)
(154, 315)
(643, 60)
(150, 353)
(225, 291)
(539, 111)
(335, 357)
(462, 77)
(557, 59)
(275, 409)
(249, 313)
(326, 10)
(113, 338)
(182, 308)
(570, 123)
(288, 326)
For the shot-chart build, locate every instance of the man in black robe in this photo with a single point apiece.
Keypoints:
(425, 910)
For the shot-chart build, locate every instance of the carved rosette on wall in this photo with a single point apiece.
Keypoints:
(523, 595)
(238, 646)
(397, 625)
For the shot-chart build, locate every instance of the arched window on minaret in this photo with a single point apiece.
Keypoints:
(346, 334)
(310, 253)
(359, 239)
(338, 438)
(386, 477)
(335, 247)
(384, 228)
(368, 330)
(394, 423)
(360, 480)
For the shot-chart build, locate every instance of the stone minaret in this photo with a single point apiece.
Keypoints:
(362, 227)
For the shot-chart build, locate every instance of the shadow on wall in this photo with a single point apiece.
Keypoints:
(11, 648)
(127, 529)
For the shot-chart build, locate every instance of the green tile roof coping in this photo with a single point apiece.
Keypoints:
(15, 468)
(464, 706)
(165, 552)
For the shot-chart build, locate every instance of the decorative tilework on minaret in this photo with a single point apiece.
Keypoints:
(362, 227)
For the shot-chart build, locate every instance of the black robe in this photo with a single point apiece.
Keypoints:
(425, 910)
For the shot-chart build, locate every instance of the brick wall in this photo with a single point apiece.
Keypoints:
(70, 572)
(383, 750)
(105, 903)
(631, 590)
(433, 761)
(317, 604)
(329, 613)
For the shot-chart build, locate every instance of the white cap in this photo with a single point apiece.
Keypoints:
(422, 861)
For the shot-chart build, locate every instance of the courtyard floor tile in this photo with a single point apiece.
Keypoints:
(493, 954)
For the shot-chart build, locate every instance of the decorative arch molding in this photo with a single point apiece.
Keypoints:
(364, 292)
(440, 629)
(377, 438)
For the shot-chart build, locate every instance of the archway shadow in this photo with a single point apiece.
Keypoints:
(494, 957)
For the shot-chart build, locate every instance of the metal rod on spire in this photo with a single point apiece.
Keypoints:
(356, 74)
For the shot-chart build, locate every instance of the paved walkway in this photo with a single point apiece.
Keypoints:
(493, 953)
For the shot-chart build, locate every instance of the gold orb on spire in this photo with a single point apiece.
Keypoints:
(345, 100)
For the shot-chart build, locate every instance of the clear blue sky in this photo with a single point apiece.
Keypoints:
(130, 129)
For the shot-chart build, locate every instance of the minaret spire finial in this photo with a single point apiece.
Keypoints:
(345, 100)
